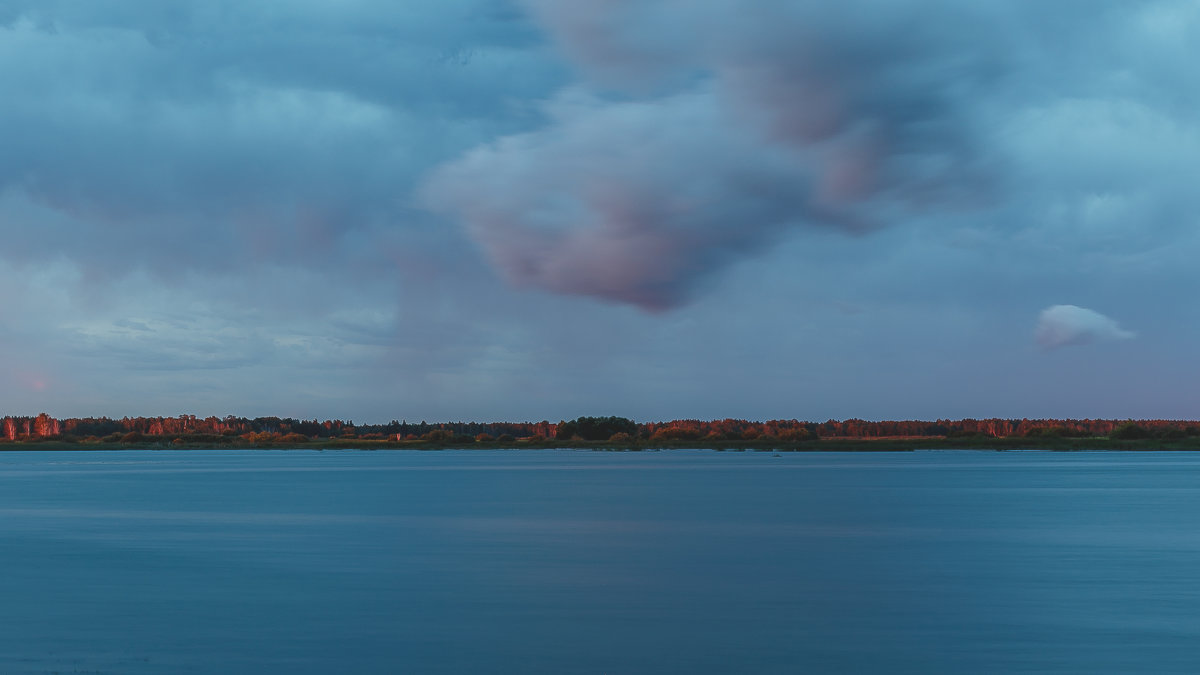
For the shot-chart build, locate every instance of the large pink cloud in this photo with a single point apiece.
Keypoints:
(715, 143)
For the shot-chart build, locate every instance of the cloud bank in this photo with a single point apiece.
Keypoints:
(822, 192)
(1068, 325)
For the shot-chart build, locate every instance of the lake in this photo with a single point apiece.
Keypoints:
(560, 561)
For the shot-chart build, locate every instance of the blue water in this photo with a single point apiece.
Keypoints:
(595, 562)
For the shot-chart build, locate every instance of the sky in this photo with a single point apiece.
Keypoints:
(533, 209)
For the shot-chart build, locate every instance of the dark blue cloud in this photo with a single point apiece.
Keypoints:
(250, 131)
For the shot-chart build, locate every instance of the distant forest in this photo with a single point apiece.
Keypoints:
(224, 430)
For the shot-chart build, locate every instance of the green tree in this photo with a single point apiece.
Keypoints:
(595, 428)
(1129, 431)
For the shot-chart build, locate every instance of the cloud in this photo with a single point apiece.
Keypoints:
(629, 202)
(1067, 123)
(237, 178)
(798, 115)
(1068, 325)
(254, 133)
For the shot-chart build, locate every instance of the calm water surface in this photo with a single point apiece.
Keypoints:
(594, 562)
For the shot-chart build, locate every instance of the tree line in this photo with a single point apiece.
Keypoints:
(617, 429)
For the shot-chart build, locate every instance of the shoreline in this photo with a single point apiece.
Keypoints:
(1095, 444)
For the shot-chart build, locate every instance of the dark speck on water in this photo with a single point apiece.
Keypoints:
(582, 562)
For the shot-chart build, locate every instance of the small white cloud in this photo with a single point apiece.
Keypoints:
(1066, 325)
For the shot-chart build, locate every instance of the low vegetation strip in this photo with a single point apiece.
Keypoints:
(598, 433)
